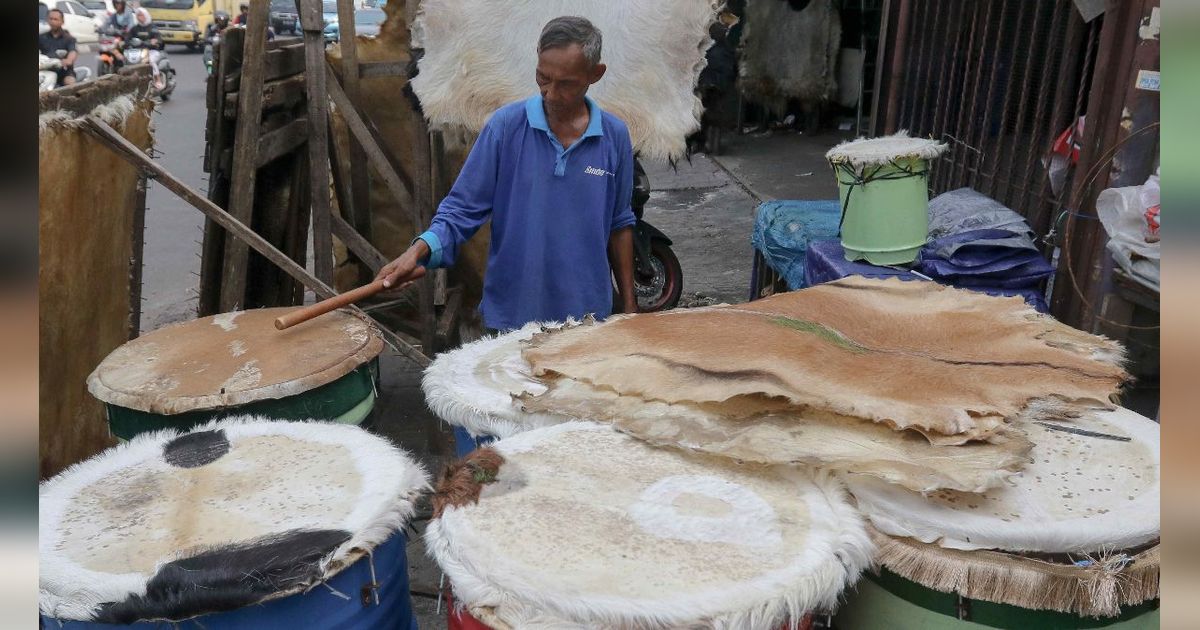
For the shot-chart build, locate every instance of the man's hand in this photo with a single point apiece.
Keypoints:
(395, 271)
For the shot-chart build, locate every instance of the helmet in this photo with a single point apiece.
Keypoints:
(221, 18)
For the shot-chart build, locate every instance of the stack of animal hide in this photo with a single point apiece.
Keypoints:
(916, 383)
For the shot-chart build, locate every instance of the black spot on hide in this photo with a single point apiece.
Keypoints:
(228, 577)
(193, 450)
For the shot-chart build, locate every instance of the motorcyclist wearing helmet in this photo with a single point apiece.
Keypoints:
(220, 23)
(151, 40)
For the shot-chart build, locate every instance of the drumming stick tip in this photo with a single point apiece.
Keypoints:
(280, 324)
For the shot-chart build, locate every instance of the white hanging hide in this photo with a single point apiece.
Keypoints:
(481, 55)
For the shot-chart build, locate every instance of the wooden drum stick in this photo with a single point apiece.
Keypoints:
(338, 301)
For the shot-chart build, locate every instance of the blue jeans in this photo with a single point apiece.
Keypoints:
(464, 443)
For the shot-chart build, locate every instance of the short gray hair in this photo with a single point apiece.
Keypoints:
(571, 29)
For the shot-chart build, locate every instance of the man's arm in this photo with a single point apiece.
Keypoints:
(620, 257)
(459, 216)
(72, 54)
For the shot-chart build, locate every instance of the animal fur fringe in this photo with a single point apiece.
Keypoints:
(1098, 590)
(463, 480)
(114, 112)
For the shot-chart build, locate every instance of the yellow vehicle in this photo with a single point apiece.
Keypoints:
(185, 21)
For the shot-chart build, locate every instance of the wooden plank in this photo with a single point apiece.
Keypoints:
(286, 92)
(280, 142)
(378, 156)
(359, 213)
(245, 154)
(359, 246)
(450, 315)
(421, 209)
(318, 146)
(377, 69)
(277, 64)
(132, 154)
(227, 57)
(138, 243)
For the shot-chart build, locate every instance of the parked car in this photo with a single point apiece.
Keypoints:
(77, 20)
(366, 22)
(329, 11)
(283, 17)
(100, 10)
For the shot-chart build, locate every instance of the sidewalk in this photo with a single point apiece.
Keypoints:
(708, 216)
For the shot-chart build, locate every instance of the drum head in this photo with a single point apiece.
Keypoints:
(593, 527)
(884, 150)
(1092, 485)
(473, 386)
(167, 526)
(232, 359)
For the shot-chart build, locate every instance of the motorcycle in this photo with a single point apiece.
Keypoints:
(107, 60)
(212, 44)
(136, 52)
(657, 274)
(48, 67)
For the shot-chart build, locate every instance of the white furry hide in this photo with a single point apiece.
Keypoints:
(473, 386)
(787, 54)
(103, 521)
(1078, 494)
(480, 55)
(630, 536)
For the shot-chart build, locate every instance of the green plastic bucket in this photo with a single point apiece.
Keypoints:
(890, 601)
(347, 400)
(885, 210)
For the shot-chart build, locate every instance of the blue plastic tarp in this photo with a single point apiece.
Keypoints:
(783, 229)
(827, 261)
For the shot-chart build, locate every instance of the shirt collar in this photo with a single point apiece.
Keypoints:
(537, 116)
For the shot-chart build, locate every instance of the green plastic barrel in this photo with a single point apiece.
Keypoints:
(187, 374)
(885, 211)
(890, 601)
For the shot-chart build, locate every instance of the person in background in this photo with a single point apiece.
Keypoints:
(122, 18)
(243, 17)
(56, 39)
(152, 41)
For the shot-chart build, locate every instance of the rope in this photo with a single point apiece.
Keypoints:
(906, 171)
(1092, 174)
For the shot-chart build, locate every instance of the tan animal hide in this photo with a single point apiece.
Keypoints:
(480, 55)
(906, 354)
(772, 432)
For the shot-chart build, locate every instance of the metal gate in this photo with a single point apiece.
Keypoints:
(998, 80)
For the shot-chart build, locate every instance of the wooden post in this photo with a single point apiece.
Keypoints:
(138, 243)
(359, 214)
(130, 153)
(245, 153)
(421, 212)
(318, 136)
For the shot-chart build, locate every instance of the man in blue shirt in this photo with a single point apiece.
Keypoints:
(554, 174)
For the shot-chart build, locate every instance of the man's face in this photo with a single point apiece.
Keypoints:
(143, 19)
(55, 20)
(563, 77)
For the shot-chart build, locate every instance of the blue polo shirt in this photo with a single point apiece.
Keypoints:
(552, 211)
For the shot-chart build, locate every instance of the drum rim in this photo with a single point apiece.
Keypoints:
(69, 591)
(884, 150)
(819, 588)
(1003, 577)
(166, 404)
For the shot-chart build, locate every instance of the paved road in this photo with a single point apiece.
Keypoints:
(173, 227)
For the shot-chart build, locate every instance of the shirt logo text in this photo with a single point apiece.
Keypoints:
(592, 170)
